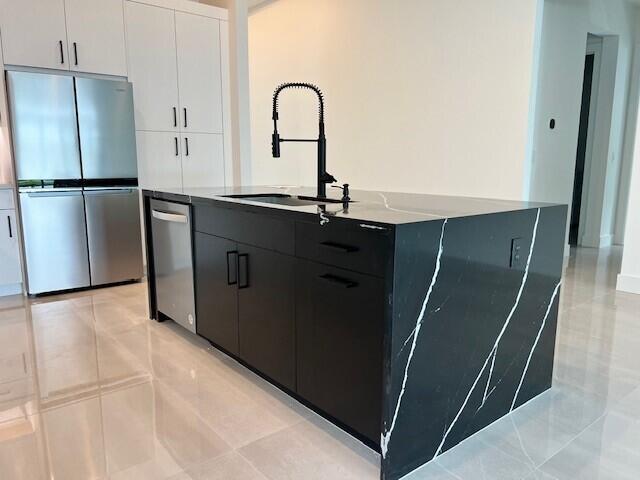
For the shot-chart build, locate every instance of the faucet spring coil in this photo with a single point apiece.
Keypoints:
(301, 85)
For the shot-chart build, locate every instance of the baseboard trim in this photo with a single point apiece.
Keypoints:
(11, 289)
(606, 241)
(629, 283)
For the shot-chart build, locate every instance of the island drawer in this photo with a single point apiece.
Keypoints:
(250, 228)
(352, 247)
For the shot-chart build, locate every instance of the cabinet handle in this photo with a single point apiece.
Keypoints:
(243, 268)
(10, 229)
(233, 281)
(338, 247)
(61, 52)
(176, 141)
(75, 52)
(335, 280)
(185, 117)
(186, 146)
(175, 117)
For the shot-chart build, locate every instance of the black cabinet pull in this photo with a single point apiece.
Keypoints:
(339, 281)
(186, 145)
(243, 270)
(175, 117)
(185, 117)
(176, 140)
(10, 229)
(61, 52)
(234, 269)
(338, 247)
(75, 52)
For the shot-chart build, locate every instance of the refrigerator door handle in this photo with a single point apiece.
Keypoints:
(110, 191)
(51, 193)
(9, 225)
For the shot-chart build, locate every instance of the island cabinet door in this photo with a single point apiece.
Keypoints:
(216, 280)
(339, 325)
(266, 311)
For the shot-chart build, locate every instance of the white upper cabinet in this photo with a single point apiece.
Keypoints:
(95, 30)
(199, 73)
(151, 46)
(81, 35)
(34, 33)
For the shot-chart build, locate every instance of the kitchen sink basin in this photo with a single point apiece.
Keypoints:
(284, 199)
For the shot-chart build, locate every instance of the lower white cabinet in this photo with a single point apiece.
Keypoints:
(159, 161)
(10, 272)
(168, 160)
(202, 160)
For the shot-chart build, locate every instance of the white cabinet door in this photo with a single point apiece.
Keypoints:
(159, 162)
(199, 75)
(34, 33)
(151, 51)
(202, 160)
(95, 30)
(10, 272)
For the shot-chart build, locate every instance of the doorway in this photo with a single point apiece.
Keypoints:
(585, 146)
(581, 154)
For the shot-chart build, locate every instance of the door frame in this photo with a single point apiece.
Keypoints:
(594, 47)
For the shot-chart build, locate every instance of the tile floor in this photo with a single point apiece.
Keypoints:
(90, 389)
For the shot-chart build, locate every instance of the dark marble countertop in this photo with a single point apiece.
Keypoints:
(391, 208)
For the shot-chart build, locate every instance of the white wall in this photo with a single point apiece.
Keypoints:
(566, 25)
(629, 278)
(421, 96)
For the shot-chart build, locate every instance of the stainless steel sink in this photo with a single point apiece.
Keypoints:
(284, 199)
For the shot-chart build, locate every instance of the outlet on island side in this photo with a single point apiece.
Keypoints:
(517, 258)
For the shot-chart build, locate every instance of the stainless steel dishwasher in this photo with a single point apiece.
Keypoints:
(171, 232)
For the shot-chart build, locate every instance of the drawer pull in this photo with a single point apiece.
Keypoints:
(243, 270)
(338, 247)
(234, 269)
(335, 280)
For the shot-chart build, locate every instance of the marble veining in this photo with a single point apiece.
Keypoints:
(386, 436)
(535, 343)
(493, 351)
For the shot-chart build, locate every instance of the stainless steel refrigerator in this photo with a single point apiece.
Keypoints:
(75, 156)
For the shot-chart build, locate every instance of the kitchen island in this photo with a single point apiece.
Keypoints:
(411, 321)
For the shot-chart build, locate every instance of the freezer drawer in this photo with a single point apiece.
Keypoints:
(106, 126)
(55, 240)
(113, 234)
(44, 126)
(171, 232)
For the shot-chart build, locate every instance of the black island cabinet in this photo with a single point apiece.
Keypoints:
(410, 321)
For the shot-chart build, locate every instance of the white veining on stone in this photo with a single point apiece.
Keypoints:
(498, 339)
(386, 436)
(486, 388)
(399, 210)
(535, 343)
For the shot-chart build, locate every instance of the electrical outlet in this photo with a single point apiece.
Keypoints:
(517, 255)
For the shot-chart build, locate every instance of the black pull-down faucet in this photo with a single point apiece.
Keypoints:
(323, 176)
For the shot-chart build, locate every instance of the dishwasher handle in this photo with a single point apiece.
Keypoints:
(169, 217)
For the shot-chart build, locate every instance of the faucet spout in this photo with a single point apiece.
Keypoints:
(323, 176)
